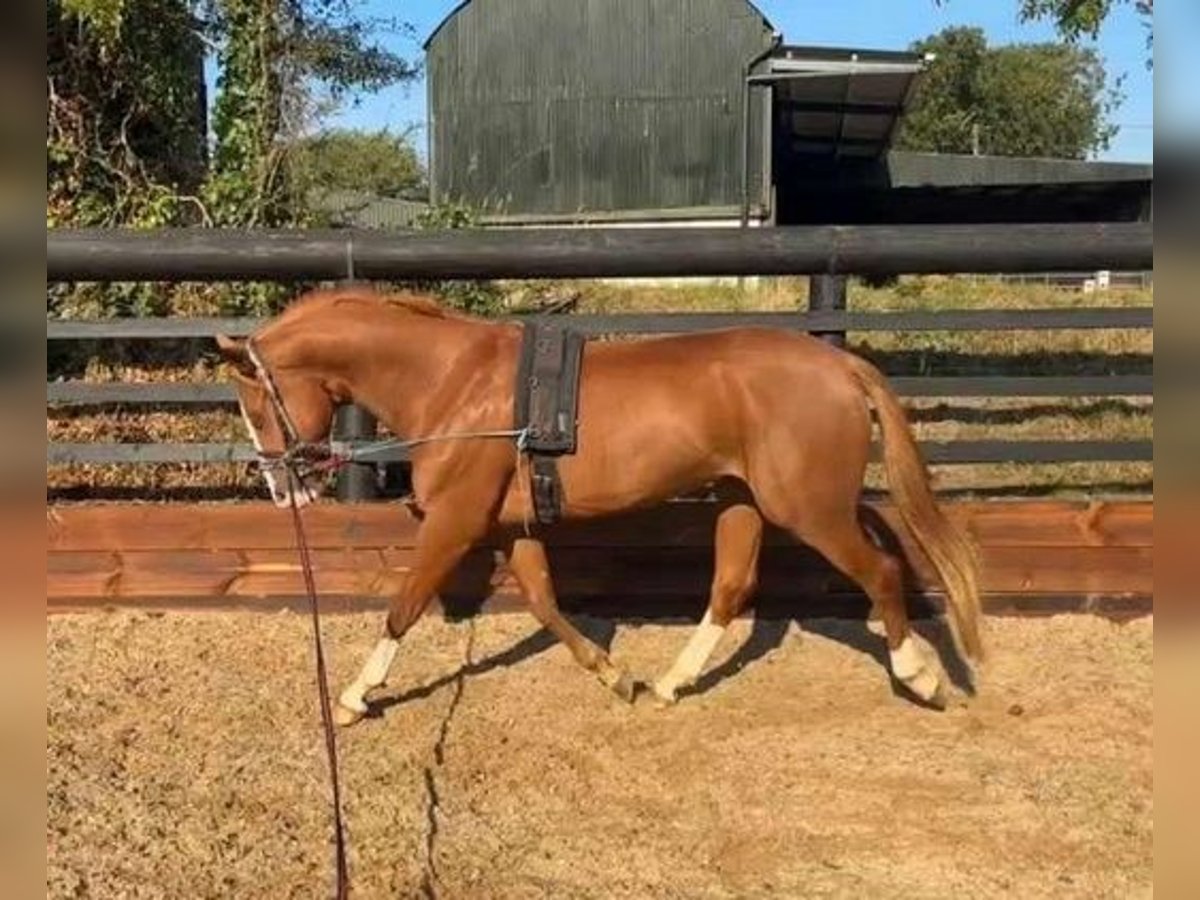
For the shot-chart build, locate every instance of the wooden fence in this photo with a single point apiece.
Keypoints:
(981, 451)
(1038, 556)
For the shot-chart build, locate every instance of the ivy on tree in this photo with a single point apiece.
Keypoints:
(127, 138)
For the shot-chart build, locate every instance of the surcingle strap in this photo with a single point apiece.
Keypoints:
(546, 403)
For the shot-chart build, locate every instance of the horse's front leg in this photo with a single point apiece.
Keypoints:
(444, 538)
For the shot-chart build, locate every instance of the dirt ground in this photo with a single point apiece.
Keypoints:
(185, 759)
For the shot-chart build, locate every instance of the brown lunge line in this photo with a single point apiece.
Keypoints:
(342, 876)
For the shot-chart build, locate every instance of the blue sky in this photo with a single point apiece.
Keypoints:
(881, 24)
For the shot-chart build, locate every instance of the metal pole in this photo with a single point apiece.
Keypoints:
(828, 292)
(203, 254)
(356, 482)
(776, 42)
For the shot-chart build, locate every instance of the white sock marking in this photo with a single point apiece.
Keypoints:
(374, 673)
(906, 659)
(911, 667)
(695, 654)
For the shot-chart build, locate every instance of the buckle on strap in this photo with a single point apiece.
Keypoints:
(546, 489)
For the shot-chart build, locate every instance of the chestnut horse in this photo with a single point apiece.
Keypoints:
(784, 416)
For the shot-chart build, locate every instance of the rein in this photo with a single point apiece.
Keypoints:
(289, 460)
(310, 585)
(298, 459)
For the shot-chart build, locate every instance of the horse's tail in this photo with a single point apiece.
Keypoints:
(949, 549)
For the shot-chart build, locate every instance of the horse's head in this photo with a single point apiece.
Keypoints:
(307, 409)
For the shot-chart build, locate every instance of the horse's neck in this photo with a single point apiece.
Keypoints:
(392, 366)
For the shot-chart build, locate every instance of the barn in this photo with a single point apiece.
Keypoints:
(655, 111)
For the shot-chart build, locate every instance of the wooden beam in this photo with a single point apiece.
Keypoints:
(637, 576)
(242, 556)
(1079, 318)
(112, 528)
(85, 393)
(204, 254)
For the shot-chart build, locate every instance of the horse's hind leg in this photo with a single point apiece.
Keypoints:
(843, 541)
(529, 565)
(737, 542)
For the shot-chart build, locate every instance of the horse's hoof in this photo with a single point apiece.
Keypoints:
(618, 681)
(929, 687)
(345, 717)
(918, 670)
(664, 696)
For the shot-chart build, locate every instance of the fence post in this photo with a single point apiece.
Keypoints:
(356, 482)
(828, 292)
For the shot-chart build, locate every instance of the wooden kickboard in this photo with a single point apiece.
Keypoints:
(1088, 556)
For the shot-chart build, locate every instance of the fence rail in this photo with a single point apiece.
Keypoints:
(178, 255)
(1037, 557)
(670, 323)
(84, 393)
(216, 255)
(955, 452)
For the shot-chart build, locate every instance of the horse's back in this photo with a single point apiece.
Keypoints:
(664, 413)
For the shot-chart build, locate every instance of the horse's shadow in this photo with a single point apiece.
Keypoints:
(841, 618)
(601, 631)
(767, 633)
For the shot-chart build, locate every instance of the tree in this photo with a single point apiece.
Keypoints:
(1080, 18)
(380, 163)
(125, 112)
(1050, 100)
(1074, 19)
(274, 55)
(127, 136)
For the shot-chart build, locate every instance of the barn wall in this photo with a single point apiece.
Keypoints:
(578, 106)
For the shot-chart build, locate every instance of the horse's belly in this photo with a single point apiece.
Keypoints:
(597, 484)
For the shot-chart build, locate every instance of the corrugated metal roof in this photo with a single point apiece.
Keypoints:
(840, 102)
(464, 3)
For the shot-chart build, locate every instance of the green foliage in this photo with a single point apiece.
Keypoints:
(378, 163)
(447, 215)
(1048, 100)
(1079, 18)
(274, 55)
(104, 16)
(334, 47)
(125, 129)
(1072, 18)
(481, 298)
(1075, 19)
(1083, 18)
(246, 187)
(127, 141)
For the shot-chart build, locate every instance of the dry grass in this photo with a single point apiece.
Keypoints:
(184, 759)
(1013, 353)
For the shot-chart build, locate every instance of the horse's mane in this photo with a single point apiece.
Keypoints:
(327, 298)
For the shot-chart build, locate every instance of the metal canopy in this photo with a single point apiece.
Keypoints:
(839, 102)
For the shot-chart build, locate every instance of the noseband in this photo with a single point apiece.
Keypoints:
(296, 452)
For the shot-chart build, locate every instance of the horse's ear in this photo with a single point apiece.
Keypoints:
(235, 353)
